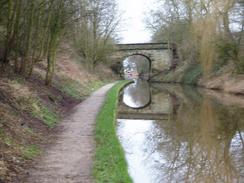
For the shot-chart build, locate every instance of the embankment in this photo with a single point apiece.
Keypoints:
(29, 110)
(224, 79)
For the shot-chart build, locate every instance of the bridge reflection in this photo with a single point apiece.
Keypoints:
(137, 95)
(137, 99)
(184, 135)
(144, 116)
(137, 102)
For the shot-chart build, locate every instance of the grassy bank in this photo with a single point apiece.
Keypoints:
(110, 164)
(29, 110)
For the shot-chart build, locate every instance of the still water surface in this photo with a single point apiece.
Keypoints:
(189, 135)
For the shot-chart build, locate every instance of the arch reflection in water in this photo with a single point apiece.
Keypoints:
(136, 66)
(137, 94)
(201, 141)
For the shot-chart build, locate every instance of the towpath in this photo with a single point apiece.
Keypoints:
(69, 160)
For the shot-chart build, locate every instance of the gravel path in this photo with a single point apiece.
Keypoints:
(69, 160)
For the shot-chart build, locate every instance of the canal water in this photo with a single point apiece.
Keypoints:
(173, 133)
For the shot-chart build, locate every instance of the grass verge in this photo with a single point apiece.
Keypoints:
(110, 164)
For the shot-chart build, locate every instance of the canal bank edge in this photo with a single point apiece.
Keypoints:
(225, 79)
(109, 163)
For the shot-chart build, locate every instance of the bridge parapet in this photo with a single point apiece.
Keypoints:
(143, 46)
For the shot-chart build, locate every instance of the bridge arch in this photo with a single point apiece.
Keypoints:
(136, 65)
(159, 55)
(139, 54)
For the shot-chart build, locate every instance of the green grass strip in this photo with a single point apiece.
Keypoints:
(31, 151)
(110, 165)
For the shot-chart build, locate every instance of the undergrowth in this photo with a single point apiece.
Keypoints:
(109, 164)
(43, 113)
(71, 88)
(192, 74)
(34, 107)
(26, 104)
(76, 90)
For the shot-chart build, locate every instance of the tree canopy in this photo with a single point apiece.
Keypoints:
(205, 31)
(30, 31)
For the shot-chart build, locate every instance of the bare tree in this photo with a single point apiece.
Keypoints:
(96, 30)
(202, 29)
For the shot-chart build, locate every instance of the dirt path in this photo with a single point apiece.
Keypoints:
(69, 160)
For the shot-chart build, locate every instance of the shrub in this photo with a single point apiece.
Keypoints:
(192, 74)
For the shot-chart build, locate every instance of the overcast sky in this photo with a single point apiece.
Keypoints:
(133, 28)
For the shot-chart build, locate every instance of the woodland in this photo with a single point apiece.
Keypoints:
(31, 32)
(208, 33)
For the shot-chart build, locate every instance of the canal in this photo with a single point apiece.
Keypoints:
(174, 133)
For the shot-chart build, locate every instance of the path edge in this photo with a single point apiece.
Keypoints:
(109, 164)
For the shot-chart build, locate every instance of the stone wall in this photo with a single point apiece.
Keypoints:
(144, 46)
(160, 59)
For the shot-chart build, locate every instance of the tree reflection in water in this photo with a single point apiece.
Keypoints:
(199, 142)
(202, 140)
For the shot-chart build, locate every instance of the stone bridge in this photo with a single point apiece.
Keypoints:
(162, 56)
(160, 108)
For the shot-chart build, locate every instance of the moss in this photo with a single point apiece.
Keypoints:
(109, 164)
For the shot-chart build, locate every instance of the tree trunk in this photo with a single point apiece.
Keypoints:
(50, 64)
(26, 58)
(55, 31)
(226, 23)
(8, 41)
(16, 32)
